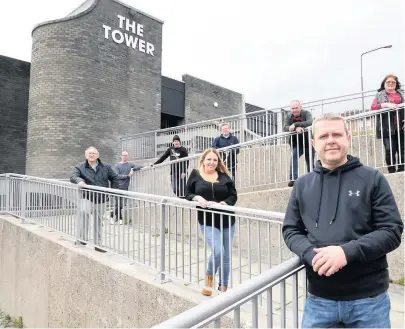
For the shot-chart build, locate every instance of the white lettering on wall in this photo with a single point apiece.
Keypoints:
(131, 30)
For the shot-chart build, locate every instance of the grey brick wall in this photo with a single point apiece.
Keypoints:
(200, 96)
(87, 90)
(14, 88)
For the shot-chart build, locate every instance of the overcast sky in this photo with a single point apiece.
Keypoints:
(271, 51)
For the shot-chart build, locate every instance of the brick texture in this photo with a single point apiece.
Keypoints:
(87, 90)
(200, 96)
(14, 86)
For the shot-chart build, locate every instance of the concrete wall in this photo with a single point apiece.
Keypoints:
(14, 87)
(51, 283)
(87, 89)
(200, 96)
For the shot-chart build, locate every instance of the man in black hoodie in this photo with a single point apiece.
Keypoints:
(229, 156)
(342, 220)
(178, 170)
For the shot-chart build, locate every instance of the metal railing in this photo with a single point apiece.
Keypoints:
(159, 232)
(257, 294)
(246, 126)
(266, 162)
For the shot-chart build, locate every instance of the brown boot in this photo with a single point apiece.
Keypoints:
(207, 291)
(222, 288)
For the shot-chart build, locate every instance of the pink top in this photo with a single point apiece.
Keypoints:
(392, 98)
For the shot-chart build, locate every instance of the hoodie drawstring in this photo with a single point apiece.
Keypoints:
(339, 173)
(320, 199)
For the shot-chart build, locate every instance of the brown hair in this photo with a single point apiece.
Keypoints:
(220, 166)
(397, 86)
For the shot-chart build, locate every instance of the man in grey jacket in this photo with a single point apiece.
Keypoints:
(296, 121)
(125, 171)
(93, 172)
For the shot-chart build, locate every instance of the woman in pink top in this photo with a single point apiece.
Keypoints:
(390, 125)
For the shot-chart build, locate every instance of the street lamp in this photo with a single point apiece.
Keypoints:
(361, 69)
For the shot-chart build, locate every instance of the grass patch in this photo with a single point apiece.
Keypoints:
(400, 281)
(6, 321)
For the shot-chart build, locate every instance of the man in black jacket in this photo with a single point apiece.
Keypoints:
(342, 220)
(297, 121)
(229, 156)
(93, 172)
(178, 170)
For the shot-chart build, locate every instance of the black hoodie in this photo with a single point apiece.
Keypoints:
(351, 206)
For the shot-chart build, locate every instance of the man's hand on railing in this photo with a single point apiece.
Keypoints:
(299, 130)
(292, 128)
(82, 183)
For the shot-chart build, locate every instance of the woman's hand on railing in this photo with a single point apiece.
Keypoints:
(201, 201)
(389, 105)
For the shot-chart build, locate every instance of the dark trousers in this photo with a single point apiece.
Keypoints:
(120, 203)
(394, 152)
(296, 154)
(178, 185)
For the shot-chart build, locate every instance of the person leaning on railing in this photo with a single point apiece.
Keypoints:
(178, 170)
(212, 184)
(93, 172)
(390, 125)
(297, 121)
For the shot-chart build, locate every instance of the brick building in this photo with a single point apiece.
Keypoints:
(95, 76)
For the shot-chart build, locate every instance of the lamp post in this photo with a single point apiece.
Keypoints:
(361, 70)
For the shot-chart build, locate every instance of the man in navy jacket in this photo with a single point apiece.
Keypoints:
(229, 156)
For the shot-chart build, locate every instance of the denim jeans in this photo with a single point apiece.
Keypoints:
(297, 153)
(214, 241)
(373, 312)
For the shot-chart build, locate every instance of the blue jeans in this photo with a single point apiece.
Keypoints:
(371, 312)
(214, 241)
(297, 153)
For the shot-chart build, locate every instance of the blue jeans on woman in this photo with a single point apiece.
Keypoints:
(372, 312)
(214, 241)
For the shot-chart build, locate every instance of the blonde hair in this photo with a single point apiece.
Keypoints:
(329, 117)
(220, 166)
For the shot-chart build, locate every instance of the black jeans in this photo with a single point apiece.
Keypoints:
(178, 185)
(394, 152)
(120, 203)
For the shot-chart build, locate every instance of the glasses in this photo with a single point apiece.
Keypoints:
(389, 82)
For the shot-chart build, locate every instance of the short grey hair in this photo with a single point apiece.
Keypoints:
(329, 117)
(225, 124)
(91, 148)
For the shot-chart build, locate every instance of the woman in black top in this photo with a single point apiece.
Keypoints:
(209, 185)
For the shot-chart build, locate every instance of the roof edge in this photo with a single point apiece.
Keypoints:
(88, 10)
(67, 18)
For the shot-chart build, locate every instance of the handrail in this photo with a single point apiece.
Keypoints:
(155, 198)
(274, 110)
(209, 310)
(275, 136)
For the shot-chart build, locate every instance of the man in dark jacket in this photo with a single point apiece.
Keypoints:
(296, 121)
(93, 172)
(342, 220)
(178, 170)
(229, 157)
(125, 171)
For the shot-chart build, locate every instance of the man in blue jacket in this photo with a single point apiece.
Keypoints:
(342, 220)
(229, 157)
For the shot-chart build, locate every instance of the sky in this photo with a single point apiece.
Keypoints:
(270, 51)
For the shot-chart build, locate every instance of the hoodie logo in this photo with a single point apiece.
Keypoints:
(356, 194)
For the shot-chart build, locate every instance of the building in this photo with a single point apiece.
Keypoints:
(95, 76)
